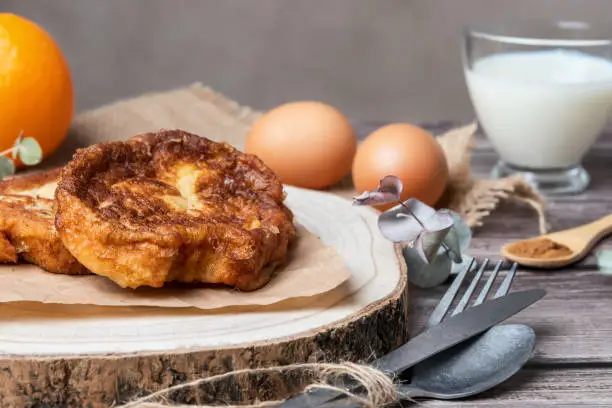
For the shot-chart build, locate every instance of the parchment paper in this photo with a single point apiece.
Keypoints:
(313, 268)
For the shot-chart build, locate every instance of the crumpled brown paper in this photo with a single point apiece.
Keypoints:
(308, 261)
(195, 108)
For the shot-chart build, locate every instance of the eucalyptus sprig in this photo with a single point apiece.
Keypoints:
(435, 238)
(25, 149)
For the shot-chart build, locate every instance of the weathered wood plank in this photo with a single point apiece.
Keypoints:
(572, 321)
(514, 221)
(543, 387)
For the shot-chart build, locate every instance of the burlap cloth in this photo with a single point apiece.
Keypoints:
(199, 109)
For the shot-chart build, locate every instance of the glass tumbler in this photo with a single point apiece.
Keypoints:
(542, 93)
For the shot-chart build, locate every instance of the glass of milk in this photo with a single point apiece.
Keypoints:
(542, 93)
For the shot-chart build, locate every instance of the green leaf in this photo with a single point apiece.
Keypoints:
(7, 167)
(604, 261)
(15, 152)
(30, 151)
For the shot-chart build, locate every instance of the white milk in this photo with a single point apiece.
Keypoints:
(541, 109)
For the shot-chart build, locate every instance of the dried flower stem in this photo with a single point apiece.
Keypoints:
(7, 151)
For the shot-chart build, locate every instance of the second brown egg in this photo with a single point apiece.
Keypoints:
(408, 152)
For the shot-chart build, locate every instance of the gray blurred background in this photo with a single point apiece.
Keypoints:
(374, 59)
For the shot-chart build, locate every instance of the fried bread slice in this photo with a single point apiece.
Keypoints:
(41, 184)
(173, 206)
(27, 224)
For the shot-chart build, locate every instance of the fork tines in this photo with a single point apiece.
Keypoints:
(447, 300)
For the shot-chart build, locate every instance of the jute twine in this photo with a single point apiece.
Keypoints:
(379, 388)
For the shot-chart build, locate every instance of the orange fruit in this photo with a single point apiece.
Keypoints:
(36, 93)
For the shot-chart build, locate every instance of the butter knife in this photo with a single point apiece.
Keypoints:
(449, 333)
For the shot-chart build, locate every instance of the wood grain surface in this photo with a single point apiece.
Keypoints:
(536, 387)
(572, 365)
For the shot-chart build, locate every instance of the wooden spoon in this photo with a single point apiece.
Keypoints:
(579, 240)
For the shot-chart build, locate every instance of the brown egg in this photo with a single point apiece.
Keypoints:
(307, 144)
(408, 152)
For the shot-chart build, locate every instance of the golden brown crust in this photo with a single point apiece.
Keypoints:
(173, 206)
(28, 233)
(29, 184)
(8, 252)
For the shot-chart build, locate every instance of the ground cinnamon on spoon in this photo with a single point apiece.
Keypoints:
(542, 248)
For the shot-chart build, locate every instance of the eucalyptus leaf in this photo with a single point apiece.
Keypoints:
(432, 237)
(399, 227)
(391, 185)
(452, 243)
(427, 275)
(30, 151)
(463, 231)
(429, 242)
(404, 223)
(388, 191)
(604, 261)
(7, 167)
(458, 238)
(15, 152)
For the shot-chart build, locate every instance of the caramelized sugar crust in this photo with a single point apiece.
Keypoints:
(173, 206)
(39, 184)
(27, 224)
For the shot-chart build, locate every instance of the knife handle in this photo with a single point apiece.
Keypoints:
(315, 397)
(344, 402)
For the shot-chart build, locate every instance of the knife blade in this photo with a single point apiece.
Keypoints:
(443, 336)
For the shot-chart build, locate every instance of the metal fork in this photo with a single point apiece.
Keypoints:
(447, 299)
(436, 317)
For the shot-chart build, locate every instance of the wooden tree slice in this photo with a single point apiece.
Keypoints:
(61, 355)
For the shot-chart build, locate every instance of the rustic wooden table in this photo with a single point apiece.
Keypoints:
(572, 364)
